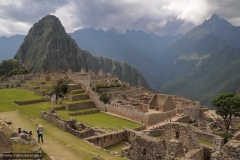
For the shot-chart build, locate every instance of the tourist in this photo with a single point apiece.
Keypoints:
(40, 133)
(19, 130)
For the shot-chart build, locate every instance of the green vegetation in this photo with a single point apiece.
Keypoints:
(117, 147)
(104, 97)
(11, 67)
(15, 94)
(205, 142)
(102, 120)
(226, 136)
(158, 136)
(33, 110)
(227, 105)
(60, 88)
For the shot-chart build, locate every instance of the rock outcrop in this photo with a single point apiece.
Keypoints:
(5, 143)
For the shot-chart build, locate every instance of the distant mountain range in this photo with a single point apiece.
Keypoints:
(48, 48)
(136, 48)
(200, 65)
(203, 63)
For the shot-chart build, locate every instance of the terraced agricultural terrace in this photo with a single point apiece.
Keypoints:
(76, 105)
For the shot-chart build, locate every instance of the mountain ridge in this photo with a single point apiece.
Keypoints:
(48, 48)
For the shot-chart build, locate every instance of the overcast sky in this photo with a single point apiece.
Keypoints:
(157, 16)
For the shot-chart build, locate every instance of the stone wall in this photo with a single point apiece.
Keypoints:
(230, 151)
(84, 112)
(197, 154)
(43, 87)
(236, 136)
(181, 132)
(5, 143)
(77, 97)
(58, 108)
(29, 102)
(151, 119)
(77, 129)
(145, 148)
(74, 86)
(93, 96)
(140, 128)
(205, 136)
(154, 132)
(80, 105)
(39, 92)
(207, 151)
(184, 103)
(183, 119)
(108, 139)
(194, 112)
(127, 111)
(162, 103)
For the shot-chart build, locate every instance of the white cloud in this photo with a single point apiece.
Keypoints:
(158, 16)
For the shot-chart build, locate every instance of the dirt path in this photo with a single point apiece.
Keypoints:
(58, 144)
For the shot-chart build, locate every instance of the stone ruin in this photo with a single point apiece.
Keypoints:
(79, 130)
(177, 141)
(5, 143)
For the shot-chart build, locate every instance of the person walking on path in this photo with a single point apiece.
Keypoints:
(40, 133)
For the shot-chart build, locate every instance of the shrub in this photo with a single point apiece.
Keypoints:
(104, 98)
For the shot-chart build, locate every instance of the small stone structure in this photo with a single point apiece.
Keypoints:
(5, 143)
(108, 139)
(177, 141)
(145, 147)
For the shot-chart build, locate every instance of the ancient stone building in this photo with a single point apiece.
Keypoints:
(177, 141)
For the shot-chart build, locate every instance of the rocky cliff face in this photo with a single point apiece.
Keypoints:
(48, 47)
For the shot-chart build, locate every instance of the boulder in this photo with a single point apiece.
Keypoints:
(5, 143)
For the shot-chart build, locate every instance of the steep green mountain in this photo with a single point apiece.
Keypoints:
(218, 27)
(9, 46)
(47, 47)
(11, 67)
(201, 66)
(136, 48)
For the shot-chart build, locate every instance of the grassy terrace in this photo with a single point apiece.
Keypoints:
(101, 120)
(117, 147)
(77, 91)
(205, 142)
(33, 110)
(71, 102)
(56, 139)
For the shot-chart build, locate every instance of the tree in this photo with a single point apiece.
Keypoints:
(60, 89)
(227, 105)
(105, 98)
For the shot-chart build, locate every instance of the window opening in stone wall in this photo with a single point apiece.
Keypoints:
(104, 138)
(117, 136)
(111, 136)
(144, 151)
(177, 134)
(97, 140)
(123, 133)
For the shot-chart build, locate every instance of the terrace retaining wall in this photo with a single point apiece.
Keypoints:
(29, 102)
(80, 105)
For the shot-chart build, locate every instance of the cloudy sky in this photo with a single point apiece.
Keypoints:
(157, 16)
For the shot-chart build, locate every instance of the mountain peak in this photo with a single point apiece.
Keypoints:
(214, 17)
